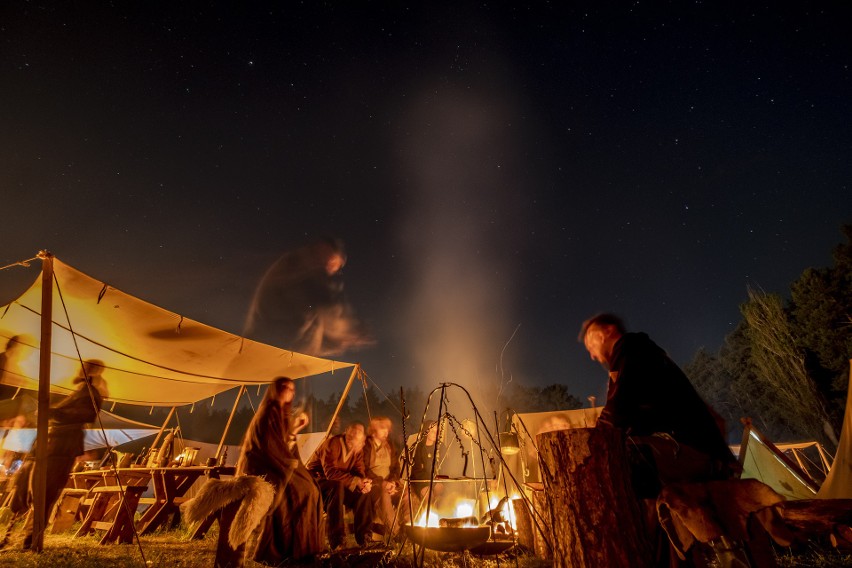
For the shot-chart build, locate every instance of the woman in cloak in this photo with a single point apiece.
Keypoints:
(292, 530)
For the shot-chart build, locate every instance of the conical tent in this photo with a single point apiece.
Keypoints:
(762, 460)
(838, 483)
(151, 356)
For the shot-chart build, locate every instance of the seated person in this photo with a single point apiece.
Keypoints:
(380, 459)
(423, 458)
(338, 467)
(654, 403)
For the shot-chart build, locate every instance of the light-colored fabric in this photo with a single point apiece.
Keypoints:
(118, 430)
(152, 356)
(838, 483)
(524, 464)
(762, 462)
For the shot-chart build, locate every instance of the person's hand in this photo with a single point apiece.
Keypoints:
(299, 422)
(366, 485)
(390, 487)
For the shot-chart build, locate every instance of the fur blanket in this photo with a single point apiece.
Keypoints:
(254, 493)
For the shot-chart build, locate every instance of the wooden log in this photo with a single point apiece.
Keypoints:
(594, 514)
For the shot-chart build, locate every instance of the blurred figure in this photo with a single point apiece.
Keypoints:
(425, 454)
(656, 406)
(338, 467)
(65, 437)
(291, 530)
(380, 459)
(10, 358)
(672, 435)
(423, 458)
(299, 304)
(553, 423)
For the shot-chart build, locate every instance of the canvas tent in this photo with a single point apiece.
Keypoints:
(838, 483)
(529, 425)
(762, 460)
(150, 356)
(766, 462)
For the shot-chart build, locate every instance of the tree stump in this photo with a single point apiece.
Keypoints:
(595, 517)
(541, 516)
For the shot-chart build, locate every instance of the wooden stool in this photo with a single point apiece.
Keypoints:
(68, 509)
(112, 510)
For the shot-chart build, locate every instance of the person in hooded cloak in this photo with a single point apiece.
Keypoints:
(292, 530)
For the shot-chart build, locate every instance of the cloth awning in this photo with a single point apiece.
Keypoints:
(151, 356)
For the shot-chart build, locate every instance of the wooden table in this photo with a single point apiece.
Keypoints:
(102, 477)
(170, 486)
(117, 494)
(112, 498)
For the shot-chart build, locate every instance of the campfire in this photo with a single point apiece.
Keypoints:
(465, 513)
(464, 530)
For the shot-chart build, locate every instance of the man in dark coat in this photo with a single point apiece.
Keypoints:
(338, 467)
(65, 436)
(677, 434)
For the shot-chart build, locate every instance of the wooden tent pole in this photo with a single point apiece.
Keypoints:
(159, 435)
(228, 425)
(39, 479)
(355, 371)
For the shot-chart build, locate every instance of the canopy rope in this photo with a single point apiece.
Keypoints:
(24, 263)
(378, 388)
(110, 452)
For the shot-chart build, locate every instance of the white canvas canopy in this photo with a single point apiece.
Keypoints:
(151, 356)
(148, 355)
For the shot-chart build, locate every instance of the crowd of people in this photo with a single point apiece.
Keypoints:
(649, 398)
(358, 470)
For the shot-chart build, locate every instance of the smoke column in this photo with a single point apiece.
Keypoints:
(463, 204)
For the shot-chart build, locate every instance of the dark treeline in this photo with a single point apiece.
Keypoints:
(786, 365)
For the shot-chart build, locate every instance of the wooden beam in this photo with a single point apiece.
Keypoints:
(228, 425)
(39, 479)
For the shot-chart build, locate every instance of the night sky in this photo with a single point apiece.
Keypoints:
(498, 174)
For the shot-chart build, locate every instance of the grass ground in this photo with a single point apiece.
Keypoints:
(173, 549)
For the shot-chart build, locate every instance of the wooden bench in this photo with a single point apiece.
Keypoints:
(112, 510)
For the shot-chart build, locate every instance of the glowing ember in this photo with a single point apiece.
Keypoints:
(510, 514)
(432, 522)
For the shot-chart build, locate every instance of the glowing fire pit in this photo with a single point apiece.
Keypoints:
(448, 539)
